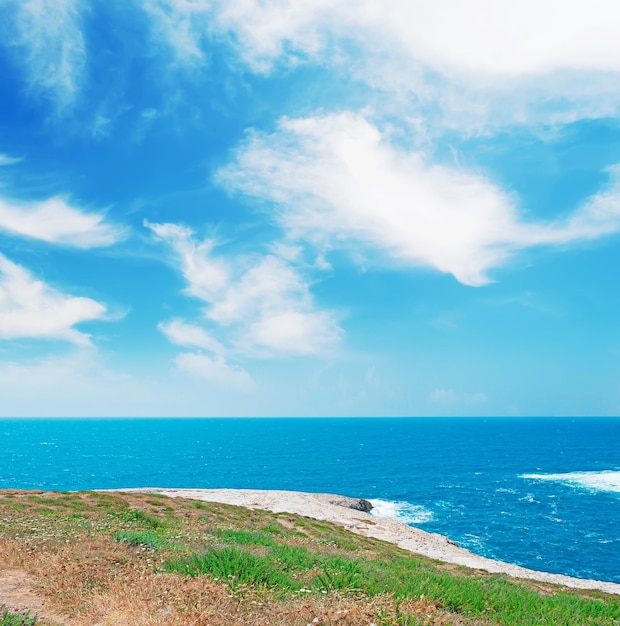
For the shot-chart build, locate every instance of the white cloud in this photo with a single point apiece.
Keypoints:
(469, 62)
(294, 332)
(269, 286)
(31, 309)
(528, 38)
(263, 304)
(597, 217)
(49, 42)
(266, 31)
(259, 32)
(476, 60)
(207, 277)
(476, 37)
(215, 370)
(57, 222)
(182, 24)
(337, 181)
(180, 333)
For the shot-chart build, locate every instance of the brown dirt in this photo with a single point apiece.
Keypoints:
(17, 595)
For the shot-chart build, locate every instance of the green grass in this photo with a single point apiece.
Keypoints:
(146, 519)
(148, 539)
(244, 537)
(16, 619)
(201, 506)
(285, 569)
(237, 567)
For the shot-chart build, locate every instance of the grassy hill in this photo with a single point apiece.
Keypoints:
(102, 559)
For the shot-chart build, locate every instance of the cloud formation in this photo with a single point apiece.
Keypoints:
(476, 38)
(182, 25)
(187, 335)
(466, 64)
(215, 370)
(338, 182)
(30, 309)
(48, 41)
(473, 63)
(55, 221)
(263, 304)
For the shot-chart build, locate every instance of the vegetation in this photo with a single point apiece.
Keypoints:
(16, 619)
(116, 559)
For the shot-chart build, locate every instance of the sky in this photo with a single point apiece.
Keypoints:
(318, 208)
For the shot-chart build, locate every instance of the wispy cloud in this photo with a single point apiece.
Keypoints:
(206, 276)
(83, 383)
(262, 304)
(48, 41)
(215, 370)
(598, 216)
(187, 335)
(31, 309)
(5, 159)
(182, 25)
(337, 181)
(57, 222)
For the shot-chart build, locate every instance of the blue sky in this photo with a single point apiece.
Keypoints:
(249, 207)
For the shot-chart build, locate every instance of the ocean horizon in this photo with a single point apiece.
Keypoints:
(543, 493)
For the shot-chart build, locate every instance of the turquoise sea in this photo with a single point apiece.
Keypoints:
(539, 492)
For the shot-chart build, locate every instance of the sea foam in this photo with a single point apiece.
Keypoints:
(401, 511)
(606, 480)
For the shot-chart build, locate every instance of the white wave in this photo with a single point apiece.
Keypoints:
(401, 511)
(606, 480)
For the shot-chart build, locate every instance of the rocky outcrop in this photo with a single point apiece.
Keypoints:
(357, 504)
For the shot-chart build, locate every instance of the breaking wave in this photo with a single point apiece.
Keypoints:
(606, 480)
(404, 512)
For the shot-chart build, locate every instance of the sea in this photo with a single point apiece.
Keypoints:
(543, 493)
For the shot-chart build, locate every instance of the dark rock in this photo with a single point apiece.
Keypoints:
(357, 504)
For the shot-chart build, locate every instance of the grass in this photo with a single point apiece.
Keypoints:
(288, 569)
(143, 559)
(235, 567)
(16, 619)
(145, 538)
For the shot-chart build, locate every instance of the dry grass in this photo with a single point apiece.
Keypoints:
(97, 582)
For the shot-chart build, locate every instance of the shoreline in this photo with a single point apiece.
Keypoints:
(336, 509)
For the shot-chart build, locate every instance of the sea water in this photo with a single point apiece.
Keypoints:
(542, 493)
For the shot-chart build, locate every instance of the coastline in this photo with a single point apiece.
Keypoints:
(334, 508)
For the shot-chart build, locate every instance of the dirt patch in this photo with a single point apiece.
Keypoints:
(16, 594)
(16, 591)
